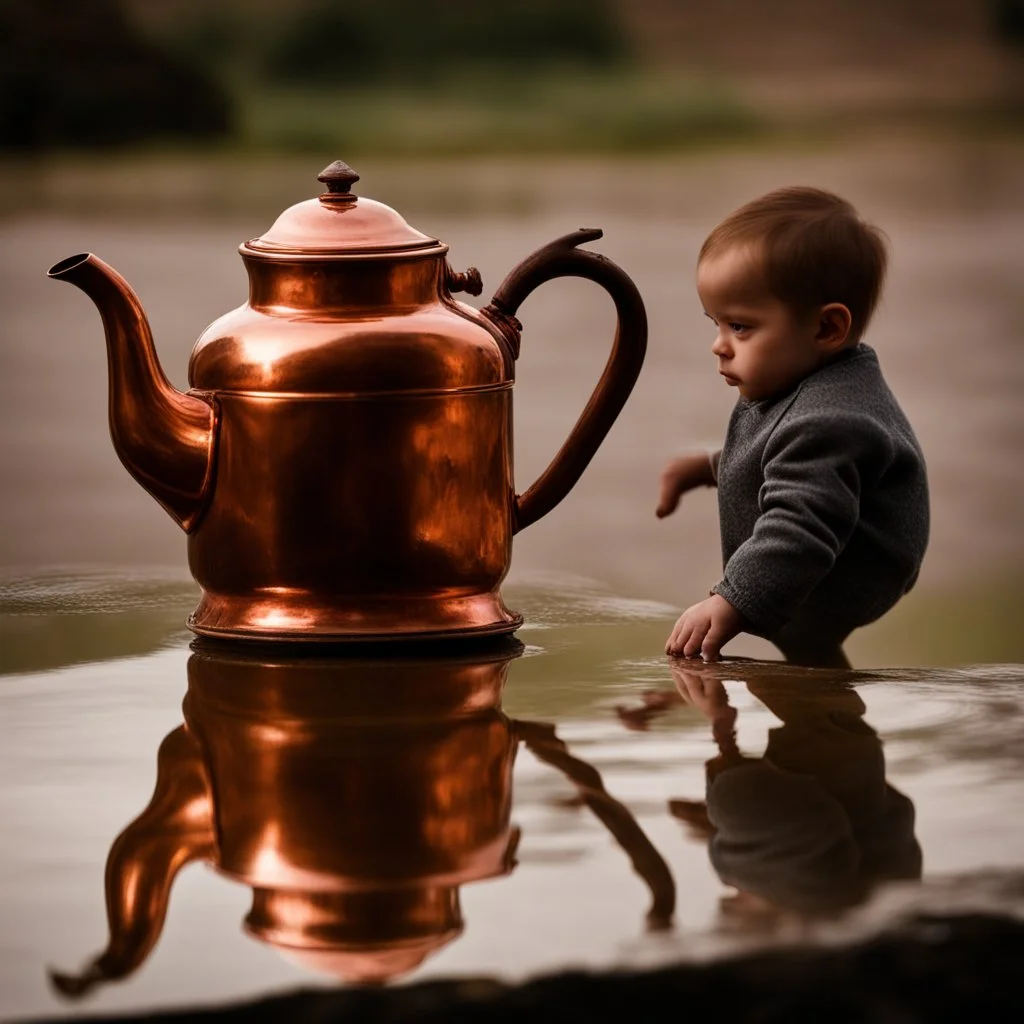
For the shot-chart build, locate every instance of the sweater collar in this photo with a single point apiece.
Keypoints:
(860, 351)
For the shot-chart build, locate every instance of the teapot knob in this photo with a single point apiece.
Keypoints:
(338, 177)
(470, 281)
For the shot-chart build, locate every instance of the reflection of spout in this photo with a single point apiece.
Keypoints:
(176, 827)
(163, 437)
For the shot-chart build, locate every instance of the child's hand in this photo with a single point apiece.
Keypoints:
(681, 475)
(703, 628)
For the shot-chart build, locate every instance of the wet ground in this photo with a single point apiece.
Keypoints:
(503, 810)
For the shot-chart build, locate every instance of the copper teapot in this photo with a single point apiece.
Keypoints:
(342, 461)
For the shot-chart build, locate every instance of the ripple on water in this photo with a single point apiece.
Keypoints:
(556, 600)
(75, 592)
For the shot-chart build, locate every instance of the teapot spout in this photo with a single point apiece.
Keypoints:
(163, 437)
(176, 828)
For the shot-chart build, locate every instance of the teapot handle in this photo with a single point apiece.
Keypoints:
(561, 258)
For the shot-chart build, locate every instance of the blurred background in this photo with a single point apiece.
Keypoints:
(162, 133)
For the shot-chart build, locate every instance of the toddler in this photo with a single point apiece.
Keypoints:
(822, 493)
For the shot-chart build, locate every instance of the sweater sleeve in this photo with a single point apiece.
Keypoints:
(714, 458)
(815, 469)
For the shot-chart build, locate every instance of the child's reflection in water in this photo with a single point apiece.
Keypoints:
(810, 826)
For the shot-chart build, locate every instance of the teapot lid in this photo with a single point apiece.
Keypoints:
(339, 224)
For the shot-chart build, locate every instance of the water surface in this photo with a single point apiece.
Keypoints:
(566, 827)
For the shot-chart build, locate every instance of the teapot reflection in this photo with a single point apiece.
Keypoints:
(353, 795)
(811, 826)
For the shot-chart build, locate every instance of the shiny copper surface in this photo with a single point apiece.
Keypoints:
(338, 775)
(343, 460)
(175, 829)
(561, 258)
(164, 438)
(353, 796)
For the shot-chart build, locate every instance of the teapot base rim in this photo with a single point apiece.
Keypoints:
(320, 621)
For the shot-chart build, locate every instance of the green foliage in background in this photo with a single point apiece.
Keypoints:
(392, 40)
(382, 77)
(557, 112)
(398, 77)
(445, 77)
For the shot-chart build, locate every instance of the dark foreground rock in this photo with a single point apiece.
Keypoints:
(931, 969)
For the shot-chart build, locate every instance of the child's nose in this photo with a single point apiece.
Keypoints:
(720, 348)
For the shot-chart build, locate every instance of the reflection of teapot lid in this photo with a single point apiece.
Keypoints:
(359, 936)
(368, 966)
(339, 223)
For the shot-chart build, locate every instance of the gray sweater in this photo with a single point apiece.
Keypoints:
(823, 502)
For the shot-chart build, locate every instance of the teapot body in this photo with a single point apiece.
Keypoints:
(356, 775)
(363, 466)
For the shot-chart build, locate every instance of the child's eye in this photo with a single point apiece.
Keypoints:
(738, 328)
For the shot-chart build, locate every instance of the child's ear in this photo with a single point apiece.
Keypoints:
(834, 324)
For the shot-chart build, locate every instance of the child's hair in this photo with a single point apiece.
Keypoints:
(815, 249)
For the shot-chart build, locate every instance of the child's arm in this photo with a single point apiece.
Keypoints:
(682, 474)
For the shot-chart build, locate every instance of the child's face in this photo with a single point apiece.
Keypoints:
(764, 348)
